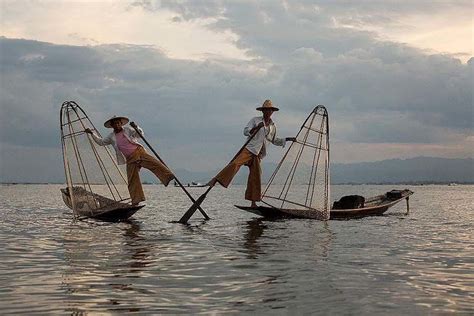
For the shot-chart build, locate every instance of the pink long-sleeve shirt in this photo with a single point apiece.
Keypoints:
(124, 145)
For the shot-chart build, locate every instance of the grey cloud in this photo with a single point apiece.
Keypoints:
(398, 7)
(435, 90)
(204, 96)
(47, 62)
(187, 10)
(275, 28)
(376, 92)
(162, 93)
(372, 11)
(388, 127)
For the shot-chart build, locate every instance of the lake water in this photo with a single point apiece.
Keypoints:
(421, 263)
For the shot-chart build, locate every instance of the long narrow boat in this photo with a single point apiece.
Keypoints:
(106, 210)
(374, 206)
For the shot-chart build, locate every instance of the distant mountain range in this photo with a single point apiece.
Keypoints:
(414, 170)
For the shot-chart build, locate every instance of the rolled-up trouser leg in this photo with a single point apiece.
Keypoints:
(134, 185)
(227, 174)
(254, 181)
(157, 167)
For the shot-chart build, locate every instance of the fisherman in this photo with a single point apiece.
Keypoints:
(129, 151)
(253, 153)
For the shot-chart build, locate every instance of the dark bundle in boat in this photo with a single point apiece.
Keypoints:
(372, 206)
(349, 201)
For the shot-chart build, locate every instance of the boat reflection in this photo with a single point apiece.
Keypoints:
(100, 262)
(255, 229)
(318, 243)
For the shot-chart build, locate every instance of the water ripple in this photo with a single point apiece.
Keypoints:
(411, 264)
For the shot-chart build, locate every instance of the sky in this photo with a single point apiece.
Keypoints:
(395, 76)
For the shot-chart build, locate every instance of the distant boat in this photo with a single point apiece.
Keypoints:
(191, 185)
(453, 184)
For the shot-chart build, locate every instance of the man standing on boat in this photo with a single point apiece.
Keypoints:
(253, 153)
(129, 151)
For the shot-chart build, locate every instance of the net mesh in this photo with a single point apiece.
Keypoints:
(300, 183)
(95, 182)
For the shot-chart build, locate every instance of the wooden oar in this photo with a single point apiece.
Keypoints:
(175, 178)
(184, 219)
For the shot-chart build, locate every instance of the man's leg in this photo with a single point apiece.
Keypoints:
(254, 182)
(134, 185)
(157, 167)
(227, 174)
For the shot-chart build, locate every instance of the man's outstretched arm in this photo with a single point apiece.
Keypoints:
(99, 140)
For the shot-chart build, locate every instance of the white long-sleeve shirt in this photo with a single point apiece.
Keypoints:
(267, 133)
(110, 139)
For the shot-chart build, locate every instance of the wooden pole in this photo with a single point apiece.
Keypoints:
(177, 180)
(408, 206)
(184, 219)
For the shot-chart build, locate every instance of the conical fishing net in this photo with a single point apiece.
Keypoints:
(95, 182)
(300, 183)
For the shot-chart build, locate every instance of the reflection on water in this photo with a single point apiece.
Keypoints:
(136, 246)
(397, 264)
(255, 230)
(104, 276)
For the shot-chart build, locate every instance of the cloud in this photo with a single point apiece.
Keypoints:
(109, 22)
(389, 98)
(431, 25)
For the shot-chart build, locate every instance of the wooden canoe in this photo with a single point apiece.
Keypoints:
(110, 212)
(114, 215)
(374, 206)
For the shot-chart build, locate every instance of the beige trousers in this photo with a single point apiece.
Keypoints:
(254, 187)
(140, 158)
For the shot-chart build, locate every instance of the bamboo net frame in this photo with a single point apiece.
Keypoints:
(94, 180)
(300, 182)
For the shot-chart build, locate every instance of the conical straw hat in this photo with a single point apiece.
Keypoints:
(123, 119)
(268, 106)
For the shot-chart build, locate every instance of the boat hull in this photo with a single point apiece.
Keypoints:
(267, 212)
(358, 213)
(110, 215)
(116, 215)
(372, 210)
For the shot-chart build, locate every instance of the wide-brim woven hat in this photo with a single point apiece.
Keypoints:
(123, 119)
(267, 105)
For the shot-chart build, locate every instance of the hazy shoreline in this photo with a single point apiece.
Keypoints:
(343, 183)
